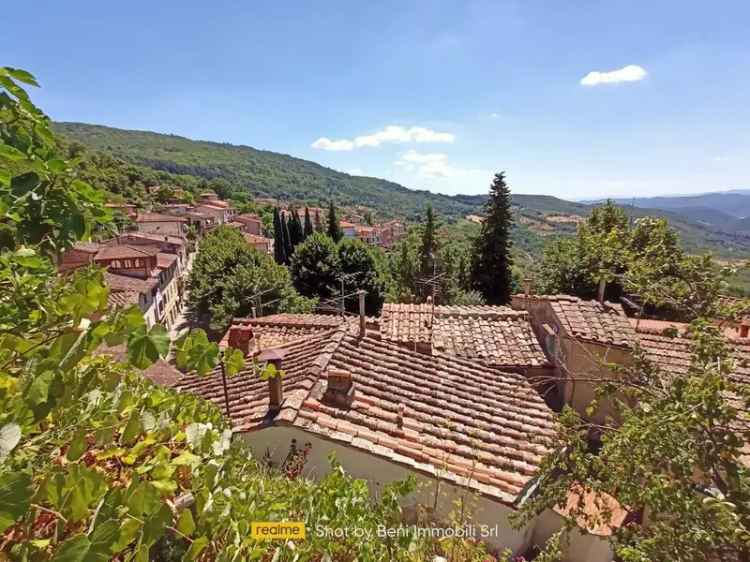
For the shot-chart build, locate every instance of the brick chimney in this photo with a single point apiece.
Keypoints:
(340, 388)
(240, 337)
(274, 357)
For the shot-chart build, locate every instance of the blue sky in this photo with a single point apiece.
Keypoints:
(433, 95)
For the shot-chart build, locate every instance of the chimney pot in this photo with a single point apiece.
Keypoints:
(340, 388)
(275, 385)
(527, 286)
(362, 319)
(240, 337)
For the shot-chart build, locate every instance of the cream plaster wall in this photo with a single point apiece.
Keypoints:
(379, 472)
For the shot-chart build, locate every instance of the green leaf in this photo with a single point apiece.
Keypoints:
(132, 429)
(195, 352)
(128, 531)
(103, 539)
(234, 361)
(15, 497)
(73, 549)
(10, 435)
(196, 548)
(147, 346)
(22, 76)
(78, 446)
(10, 153)
(185, 523)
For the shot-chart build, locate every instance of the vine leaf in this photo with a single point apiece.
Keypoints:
(15, 497)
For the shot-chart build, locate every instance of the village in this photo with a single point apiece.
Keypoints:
(463, 398)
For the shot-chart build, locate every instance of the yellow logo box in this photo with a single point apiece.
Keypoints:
(277, 530)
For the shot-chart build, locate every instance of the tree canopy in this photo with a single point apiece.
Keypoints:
(228, 273)
(491, 268)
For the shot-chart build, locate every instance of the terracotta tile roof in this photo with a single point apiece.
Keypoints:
(249, 217)
(157, 217)
(164, 261)
(125, 251)
(672, 354)
(590, 320)
(125, 283)
(279, 329)
(176, 240)
(658, 327)
(90, 247)
(496, 335)
(163, 374)
(474, 425)
(257, 239)
(123, 298)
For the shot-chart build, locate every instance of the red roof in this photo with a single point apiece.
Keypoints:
(587, 320)
(164, 261)
(156, 217)
(176, 240)
(125, 251)
(496, 335)
(476, 426)
(117, 282)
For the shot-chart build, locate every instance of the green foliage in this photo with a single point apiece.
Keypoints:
(308, 226)
(643, 257)
(279, 246)
(360, 272)
(228, 273)
(491, 258)
(315, 267)
(333, 226)
(42, 202)
(428, 250)
(262, 173)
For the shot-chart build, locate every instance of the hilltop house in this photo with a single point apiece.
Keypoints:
(462, 428)
(165, 225)
(581, 338)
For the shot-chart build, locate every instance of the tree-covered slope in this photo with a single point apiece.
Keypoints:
(263, 173)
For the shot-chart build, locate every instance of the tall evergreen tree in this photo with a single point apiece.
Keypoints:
(308, 228)
(288, 246)
(279, 246)
(428, 250)
(491, 259)
(334, 228)
(296, 233)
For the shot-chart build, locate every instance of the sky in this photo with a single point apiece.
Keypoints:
(573, 98)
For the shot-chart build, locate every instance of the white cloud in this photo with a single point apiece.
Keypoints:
(494, 115)
(389, 134)
(324, 143)
(355, 172)
(432, 165)
(719, 159)
(629, 73)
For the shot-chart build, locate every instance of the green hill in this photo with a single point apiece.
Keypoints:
(262, 173)
(280, 176)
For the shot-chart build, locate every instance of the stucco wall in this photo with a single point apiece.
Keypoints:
(379, 472)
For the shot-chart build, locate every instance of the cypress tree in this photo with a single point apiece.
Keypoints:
(428, 250)
(288, 246)
(491, 259)
(308, 229)
(334, 228)
(279, 246)
(296, 233)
